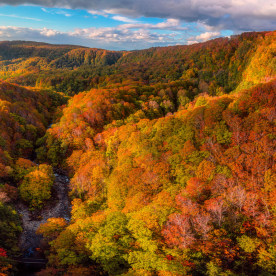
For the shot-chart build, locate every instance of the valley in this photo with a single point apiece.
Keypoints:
(150, 162)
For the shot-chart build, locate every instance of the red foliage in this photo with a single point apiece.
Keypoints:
(3, 253)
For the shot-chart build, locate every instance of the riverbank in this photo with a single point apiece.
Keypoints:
(58, 206)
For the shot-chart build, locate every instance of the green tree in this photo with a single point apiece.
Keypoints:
(36, 186)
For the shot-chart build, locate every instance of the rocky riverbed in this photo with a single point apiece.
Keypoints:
(58, 206)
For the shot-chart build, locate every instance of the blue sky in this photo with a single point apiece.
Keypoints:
(127, 24)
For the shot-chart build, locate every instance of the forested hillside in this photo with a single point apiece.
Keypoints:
(24, 117)
(170, 154)
(217, 66)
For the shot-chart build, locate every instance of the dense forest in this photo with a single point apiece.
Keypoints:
(170, 153)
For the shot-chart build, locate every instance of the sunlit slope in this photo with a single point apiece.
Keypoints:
(215, 67)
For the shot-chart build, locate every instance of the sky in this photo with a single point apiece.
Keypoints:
(132, 24)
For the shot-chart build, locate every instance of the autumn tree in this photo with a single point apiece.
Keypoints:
(36, 186)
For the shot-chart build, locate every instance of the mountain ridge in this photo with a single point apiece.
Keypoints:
(170, 152)
(218, 63)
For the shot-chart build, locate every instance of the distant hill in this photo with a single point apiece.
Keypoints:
(222, 64)
(10, 50)
(21, 54)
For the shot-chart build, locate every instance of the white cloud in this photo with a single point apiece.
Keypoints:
(49, 32)
(123, 19)
(96, 12)
(190, 42)
(207, 36)
(169, 24)
(121, 35)
(202, 37)
(234, 14)
(20, 33)
(108, 38)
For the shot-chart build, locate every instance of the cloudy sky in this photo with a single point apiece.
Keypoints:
(132, 24)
